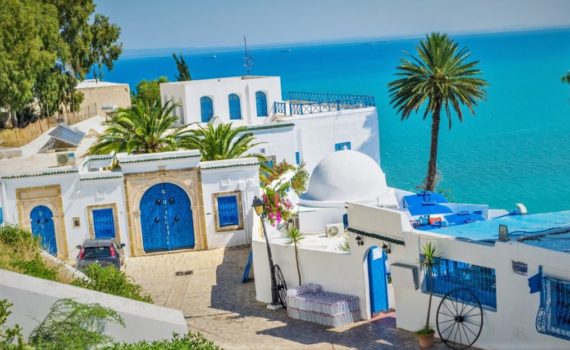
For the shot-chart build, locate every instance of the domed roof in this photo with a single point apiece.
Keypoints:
(347, 176)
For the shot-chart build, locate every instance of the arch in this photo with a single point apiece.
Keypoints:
(261, 103)
(166, 218)
(235, 106)
(206, 109)
(41, 218)
(377, 280)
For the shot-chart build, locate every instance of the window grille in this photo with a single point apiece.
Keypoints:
(553, 316)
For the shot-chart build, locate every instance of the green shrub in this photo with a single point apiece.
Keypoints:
(36, 268)
(112, 281)
(190, 341)
(19, 239)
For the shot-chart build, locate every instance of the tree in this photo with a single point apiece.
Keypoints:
(183, 71)
(143, 128)
(566, 78)
(104, 47)
(429, 259)
(149, 90)
(439, 79)
(294, 238)
(220, 142)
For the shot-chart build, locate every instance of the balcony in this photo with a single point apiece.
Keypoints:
(303, 103)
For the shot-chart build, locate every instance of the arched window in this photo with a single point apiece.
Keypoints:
(261, 103)
(235, 107)
(206, 108)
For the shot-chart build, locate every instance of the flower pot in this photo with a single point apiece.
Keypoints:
(426, 340)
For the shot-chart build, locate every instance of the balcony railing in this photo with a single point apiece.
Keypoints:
(301, 103)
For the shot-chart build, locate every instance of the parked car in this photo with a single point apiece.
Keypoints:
(100, 251)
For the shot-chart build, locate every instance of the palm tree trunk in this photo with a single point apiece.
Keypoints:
(432, 166)
(297, 260)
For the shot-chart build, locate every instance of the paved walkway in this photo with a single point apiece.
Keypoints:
(217, 304)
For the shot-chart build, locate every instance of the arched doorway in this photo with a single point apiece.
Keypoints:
(41, 218)
(206, 109)
(166, 218)
(377, 280)
(261, 103)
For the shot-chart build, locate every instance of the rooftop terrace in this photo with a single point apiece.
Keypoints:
(302, 103)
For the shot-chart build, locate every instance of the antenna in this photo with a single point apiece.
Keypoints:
(247, 59)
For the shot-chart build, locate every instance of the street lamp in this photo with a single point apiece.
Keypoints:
(258, 205)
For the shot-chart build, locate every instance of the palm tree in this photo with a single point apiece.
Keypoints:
(143, 128)
(566, 78)
(441, 78)
(294, 238)
(429, 259)
(219, 142)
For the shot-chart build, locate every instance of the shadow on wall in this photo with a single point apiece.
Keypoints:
(230, 295)
(372, 143)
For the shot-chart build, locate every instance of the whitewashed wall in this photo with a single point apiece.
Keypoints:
(33, 297)
(314, 220)
(278, 142)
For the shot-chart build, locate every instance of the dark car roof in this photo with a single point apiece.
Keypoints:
(98, 242)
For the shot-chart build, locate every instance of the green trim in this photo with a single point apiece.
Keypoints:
(101, 178)
(156, 159)
(377, 236)
(272, 126)
(230, 166)
(45, 173)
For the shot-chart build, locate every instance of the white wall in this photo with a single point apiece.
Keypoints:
(278, 142)
(33, 297)
(314, 220)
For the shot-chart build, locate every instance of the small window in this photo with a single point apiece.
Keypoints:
(298, 158)
(342, 146)
(228, 211)
(235, 107)
(1, 216)
(261, 103)
(206, 109)
(270, 162)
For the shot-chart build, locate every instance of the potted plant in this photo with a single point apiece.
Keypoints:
(429, 258)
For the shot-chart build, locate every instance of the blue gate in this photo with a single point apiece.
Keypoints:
(377, 280)
(43, 227)
(103, 223)
(166, 218)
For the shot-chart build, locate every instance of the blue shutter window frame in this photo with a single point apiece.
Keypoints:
(206, 109)
(342, 146)
(235, 106)
(228, 211)
(298, 158)
(261, 103)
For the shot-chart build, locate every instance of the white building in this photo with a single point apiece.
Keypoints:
(303, 127)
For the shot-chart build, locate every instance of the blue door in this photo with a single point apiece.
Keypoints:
(41, 218)
(377, 280)
(103, 223)
(166, 218)
(206, 109)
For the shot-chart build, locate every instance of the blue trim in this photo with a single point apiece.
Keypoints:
(343, 146)
(298, 158)
(228, 211)
(235, 107)
(103, 223)
(377, 280)
(1, 216)
(206, 109)
(553, 317)
(261, 103)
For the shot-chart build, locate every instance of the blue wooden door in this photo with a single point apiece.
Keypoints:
(261, 103)
(377, 280)
(166, 218)
(43, 227)
(103, 223)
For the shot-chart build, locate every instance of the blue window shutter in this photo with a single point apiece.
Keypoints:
(235, 107)
(342, 146)
(1, 216)
(228, 213)
(206, 109)
(298, 158)
(261, 103)
(103, 223)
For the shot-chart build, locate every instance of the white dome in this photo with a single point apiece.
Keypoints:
(347, 176)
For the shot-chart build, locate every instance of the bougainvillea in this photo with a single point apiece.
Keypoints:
(277, 206)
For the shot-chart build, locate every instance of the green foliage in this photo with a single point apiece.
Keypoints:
(104, 49)
(74, 326)
(142, 128)
(182, 67)
(438, 79)
(11, 338)
(148, 91)
(219, 142)
(294, 237)
(112, 281)
(36, 268)
(190, 341)
(428, 260)
(298, 182)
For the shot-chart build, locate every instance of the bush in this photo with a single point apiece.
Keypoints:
(111, 281)
(190, 341)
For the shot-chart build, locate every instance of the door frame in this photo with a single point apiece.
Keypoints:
(370, 277)
(112, 206)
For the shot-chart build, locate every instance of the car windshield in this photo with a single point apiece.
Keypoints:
(96, 252)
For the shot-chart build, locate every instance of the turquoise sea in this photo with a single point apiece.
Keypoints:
(515, 149)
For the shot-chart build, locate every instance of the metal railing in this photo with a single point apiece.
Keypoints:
(448, 275)
(302, 103)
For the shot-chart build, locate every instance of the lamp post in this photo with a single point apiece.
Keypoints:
(258, 205)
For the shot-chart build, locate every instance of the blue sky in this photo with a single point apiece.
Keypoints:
(152, 24)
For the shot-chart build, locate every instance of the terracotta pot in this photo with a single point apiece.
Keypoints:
(426, 341)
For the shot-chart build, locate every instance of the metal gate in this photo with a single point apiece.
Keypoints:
(166, 218)
(377, 280)
(103, 223)
(41, 218)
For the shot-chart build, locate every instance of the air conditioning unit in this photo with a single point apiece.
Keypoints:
(65, 158)
(334, 230)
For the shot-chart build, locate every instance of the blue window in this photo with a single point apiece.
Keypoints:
(206, 109)
(451, 274)
(228, 213)
(103, 223)
(298, 158)
(1, 216)
(261, 103)
(270, 162)
(553, 316)
(235, 107)
(345, 220)
(342, 146)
